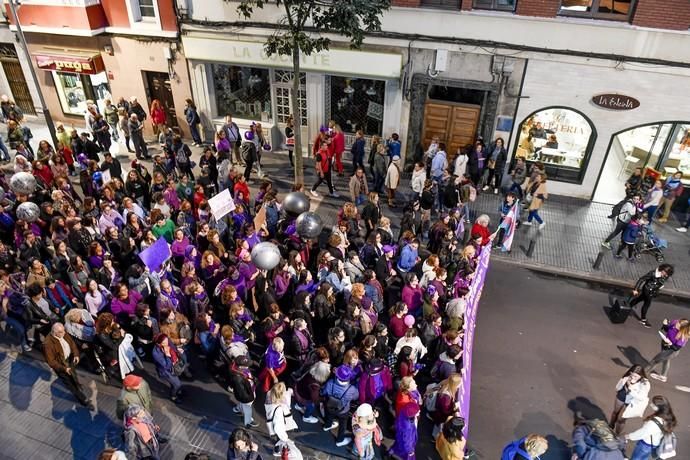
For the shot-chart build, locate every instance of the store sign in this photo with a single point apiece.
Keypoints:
(337, 61)
(86, 65)
(615, 101)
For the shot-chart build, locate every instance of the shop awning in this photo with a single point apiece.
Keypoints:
(72, 61)
(334, 61)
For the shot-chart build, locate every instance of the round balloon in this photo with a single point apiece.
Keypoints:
(409, 320)
(23, 183)
(28, 211)
(309, 225)
(265, 255)
(295, 203)
(267, 147)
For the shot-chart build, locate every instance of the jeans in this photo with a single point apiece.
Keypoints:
(534, 214)
(651, 211)
(379, 179)
(360, 199)
(642, 451)
(309, 409)
(19, 329)
(194, 128)
(142, 151)
(516, 189)
(246, 409)
(357, 161)
(174, 382)
(290, 157)
(664, 358)
(647, 302)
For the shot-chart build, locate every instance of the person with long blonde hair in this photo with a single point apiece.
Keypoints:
(278, 416)
(446, 401)
(676, 335)
(157, 117)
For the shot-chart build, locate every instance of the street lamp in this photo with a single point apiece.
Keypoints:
(22, 40)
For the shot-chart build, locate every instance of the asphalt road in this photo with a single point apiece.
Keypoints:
(544, 347)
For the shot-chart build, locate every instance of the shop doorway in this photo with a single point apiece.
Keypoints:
(16, 80)
(454, 124)
(663, 147)
(158, 87)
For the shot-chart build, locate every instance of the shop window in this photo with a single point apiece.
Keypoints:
(602, 9)
(561, 139)
(445, 4)
(75, 89)
(357, 103)
(243, 92)
(678, 158)
(505, 5)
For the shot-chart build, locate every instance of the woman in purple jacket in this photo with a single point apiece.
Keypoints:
(676, 335)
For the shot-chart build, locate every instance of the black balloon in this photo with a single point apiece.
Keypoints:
(265, 255)
(309, 225)
(295, 203)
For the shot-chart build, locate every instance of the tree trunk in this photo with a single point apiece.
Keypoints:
(297, 115)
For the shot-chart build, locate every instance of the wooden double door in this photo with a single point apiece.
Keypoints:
(158, 87)
(454, 124)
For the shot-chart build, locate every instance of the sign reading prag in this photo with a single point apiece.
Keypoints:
(73, 64)
(615, 101)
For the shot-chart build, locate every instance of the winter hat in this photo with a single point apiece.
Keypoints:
(364, 410)
(388, 248)
(375, 366)
(344, 373)
(131, 381)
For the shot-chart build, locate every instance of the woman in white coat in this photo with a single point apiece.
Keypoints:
(655, 427)
(632, 397)
(278, 415)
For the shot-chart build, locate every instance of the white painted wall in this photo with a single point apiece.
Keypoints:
(662, 97)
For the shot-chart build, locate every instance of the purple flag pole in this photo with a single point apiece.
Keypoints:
(472, 299)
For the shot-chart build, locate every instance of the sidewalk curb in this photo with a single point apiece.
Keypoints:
(602, 279)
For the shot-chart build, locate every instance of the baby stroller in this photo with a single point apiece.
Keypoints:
(649, 242)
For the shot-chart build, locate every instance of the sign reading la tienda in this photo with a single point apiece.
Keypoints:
(615, 101)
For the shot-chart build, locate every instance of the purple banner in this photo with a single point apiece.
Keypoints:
(154, 256)
(472, 305)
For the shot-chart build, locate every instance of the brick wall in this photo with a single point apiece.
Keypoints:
(406, 3)
(541, 8)
(663, 14)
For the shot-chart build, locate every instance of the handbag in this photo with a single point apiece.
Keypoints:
(179, 367)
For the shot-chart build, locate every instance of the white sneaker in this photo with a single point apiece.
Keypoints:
(485, 188)
(332, 426)
(299, 409)
(310, 419)
(682, 229)
(335, 195)
(314, 194)
(495, 191)
(542, 225)
(658, 377)
(344, 442)
(528, 223)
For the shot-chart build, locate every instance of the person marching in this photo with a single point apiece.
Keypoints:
(647, 287)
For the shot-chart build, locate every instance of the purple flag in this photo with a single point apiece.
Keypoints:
(155, 255)
(472, 300)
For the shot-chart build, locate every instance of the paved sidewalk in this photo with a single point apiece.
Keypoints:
(43, 421)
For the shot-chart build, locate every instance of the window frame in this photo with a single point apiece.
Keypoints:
(595, 14)
(494, 6)
(269, 80)
(136, 21)
(550, 167)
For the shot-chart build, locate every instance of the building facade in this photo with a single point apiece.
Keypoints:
(106, 49)
(591, 88)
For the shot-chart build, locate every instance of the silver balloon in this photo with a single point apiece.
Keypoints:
(295, 203)
(23, 183)
(265, 255)
(309, 225)
(28, 211)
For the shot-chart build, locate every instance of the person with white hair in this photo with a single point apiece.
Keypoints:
(140, 434)
(308, 388)
(62, 355)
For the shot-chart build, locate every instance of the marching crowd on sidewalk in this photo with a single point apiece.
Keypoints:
(357, 327)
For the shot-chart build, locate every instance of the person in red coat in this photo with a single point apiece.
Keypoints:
(43, 172)
(481, 228)
(324, 157)
(338, 147)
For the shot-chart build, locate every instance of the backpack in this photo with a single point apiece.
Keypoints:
(181, 156)
(336, 405)
(248, 151)
(512, 449)
(430, 396)
(667, 446)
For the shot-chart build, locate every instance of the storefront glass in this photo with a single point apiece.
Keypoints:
(244, 92)
(561, 139)
(75, 89)
(357, 103)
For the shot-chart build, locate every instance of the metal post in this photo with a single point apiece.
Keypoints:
(25, 47)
